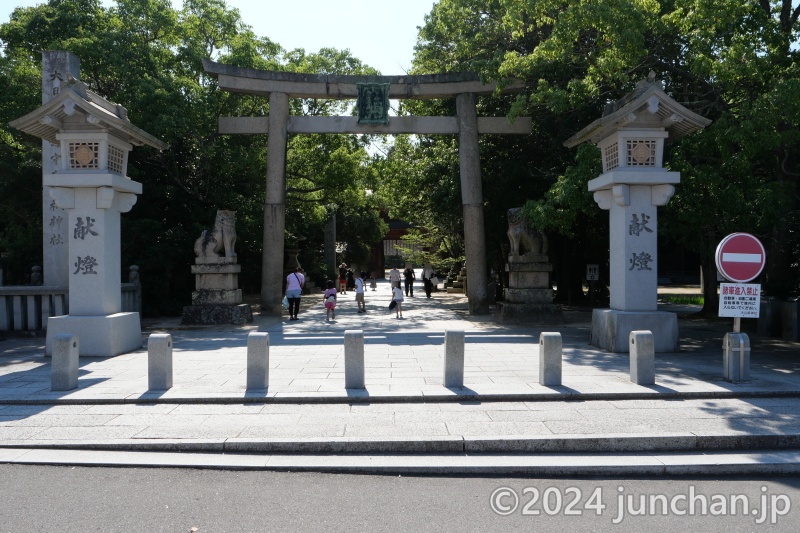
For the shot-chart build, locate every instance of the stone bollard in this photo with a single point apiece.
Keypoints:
(258, 360)
(354, 359)
(643, 360)
(550, 351)
(736, 357)
(454, 359)
(64, 367)
(159, 361)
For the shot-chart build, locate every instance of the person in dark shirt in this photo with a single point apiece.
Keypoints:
(409, 276)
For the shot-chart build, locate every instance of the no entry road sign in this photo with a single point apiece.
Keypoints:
(740, 257)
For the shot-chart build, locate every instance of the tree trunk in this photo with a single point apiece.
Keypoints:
(710, 297)
(569, 264)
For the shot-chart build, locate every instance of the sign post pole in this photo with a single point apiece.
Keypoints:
(740, 258)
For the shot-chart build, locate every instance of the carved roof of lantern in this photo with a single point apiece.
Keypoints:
(647, 97)
(74, 97)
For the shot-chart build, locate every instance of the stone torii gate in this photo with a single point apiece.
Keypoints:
(373, 94)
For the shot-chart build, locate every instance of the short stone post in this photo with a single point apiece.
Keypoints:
(736, 357)
(454, 359)
(64, 367)
(159, 361)
(354, 359)
(643, 360)
(550, 354)
(258, 360)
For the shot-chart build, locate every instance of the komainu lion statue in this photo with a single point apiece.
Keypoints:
(222, 236)
(524, 239)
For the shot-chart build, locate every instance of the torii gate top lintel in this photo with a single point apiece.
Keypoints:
(343, 87)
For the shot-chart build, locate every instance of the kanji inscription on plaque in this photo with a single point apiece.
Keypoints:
(373, 103)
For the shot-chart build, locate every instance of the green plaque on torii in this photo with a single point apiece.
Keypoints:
(373, 103)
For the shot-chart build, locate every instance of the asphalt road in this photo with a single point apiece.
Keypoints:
(77, 499)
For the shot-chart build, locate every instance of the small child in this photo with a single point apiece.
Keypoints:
(397, 296)
(329, 298)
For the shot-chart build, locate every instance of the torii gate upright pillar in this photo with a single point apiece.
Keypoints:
(275, 204)
(472, 200)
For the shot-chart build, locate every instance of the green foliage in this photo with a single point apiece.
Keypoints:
(147, 56)
(733, 61)
(567, 201)
(433, 247)
(682, 299)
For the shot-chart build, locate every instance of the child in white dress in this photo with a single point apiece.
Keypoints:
(397, 296)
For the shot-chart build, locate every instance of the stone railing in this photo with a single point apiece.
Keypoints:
(132, 298)
(27, 308)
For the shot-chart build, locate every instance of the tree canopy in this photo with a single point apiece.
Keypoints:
(733, 61)
(147, 56)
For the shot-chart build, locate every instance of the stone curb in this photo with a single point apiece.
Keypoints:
(358, 397)
(619, 443)
(605, 465)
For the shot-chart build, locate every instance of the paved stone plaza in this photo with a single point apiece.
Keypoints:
(405, 409)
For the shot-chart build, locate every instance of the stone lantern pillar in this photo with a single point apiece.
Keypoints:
(633, 185)
(89, 182)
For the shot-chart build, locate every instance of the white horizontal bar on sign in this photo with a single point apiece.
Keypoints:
(397, 125)
(741, 258)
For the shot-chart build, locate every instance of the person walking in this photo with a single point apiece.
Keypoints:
(397, 298)
(427, 274)
(360, 292)
(343, 278)
(294, 289)
(394, 277)
(329, 299)
(408, 273)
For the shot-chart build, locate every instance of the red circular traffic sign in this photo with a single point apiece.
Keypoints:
(740, 257)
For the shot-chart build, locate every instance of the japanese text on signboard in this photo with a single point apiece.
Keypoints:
(739, 300)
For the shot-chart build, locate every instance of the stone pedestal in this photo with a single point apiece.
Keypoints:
(216, 281)
(529, 295)
(611, 329)
(217, 298)
(100, 336)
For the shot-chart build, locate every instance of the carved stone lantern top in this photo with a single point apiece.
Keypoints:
(631, 135)
(95, 135)
(647, 107)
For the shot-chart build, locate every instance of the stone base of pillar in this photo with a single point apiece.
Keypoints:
(611, 329)
(529, 313)
(99, 336)
(217, 297)
(210, 315)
